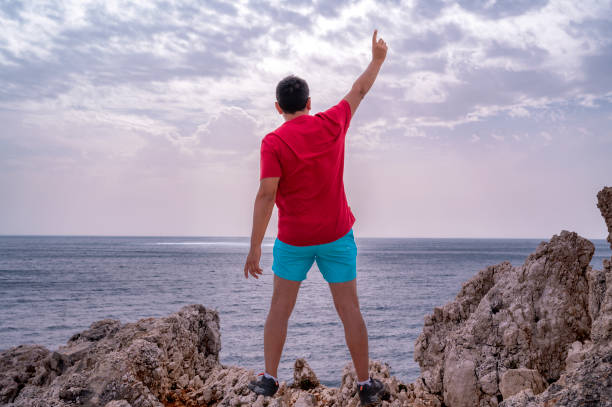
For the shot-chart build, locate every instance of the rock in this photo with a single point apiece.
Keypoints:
(604, 203)
(602, 326)
(576, 354)
(303, 376)
(96, 331)
(597, 291)
(117, 403)
(587, 379)
(402, 394)
(140, 363)
(305, 400)
(588, 384)
(460, 388)
(515, 380)
(20, 366)
(507, 318)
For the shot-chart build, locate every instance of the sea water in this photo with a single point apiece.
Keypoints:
(52, 287)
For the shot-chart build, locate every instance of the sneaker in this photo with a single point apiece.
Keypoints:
(264, 385)
(371, 393)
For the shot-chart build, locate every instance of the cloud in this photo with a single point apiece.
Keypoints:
(162, 90)
(231, 129)
(499, 9)
(546, 135)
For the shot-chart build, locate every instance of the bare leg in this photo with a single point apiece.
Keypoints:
(355, 332)
(275, 331)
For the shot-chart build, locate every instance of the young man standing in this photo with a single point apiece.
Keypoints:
(302, 165)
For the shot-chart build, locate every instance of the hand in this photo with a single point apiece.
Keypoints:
(379, 48)
(252, 263)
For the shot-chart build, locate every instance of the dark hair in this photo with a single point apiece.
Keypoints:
(292, 94)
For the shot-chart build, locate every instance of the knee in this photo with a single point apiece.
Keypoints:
(349, 310)
(281, 308)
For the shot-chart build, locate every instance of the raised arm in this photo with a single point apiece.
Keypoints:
(363, 84)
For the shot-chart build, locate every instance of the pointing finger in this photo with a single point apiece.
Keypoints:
(374, 37)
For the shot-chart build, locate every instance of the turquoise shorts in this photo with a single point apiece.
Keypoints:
(336, 260)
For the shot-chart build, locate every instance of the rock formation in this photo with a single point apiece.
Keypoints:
(539, 334)
(506, 318)
(541, 330)
(587, 379)
(144, 363)
(604, 203)
(171, 361)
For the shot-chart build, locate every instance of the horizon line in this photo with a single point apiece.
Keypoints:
(273, 237)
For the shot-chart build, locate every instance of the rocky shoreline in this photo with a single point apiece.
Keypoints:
(539, 334)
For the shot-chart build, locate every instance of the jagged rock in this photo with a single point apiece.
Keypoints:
(303, 376)
(305, 400)
(18, 367)
(515, 380)
(576, 354)
(587, 379)
(507, 318)
(604, 203)
(140, 363)
(397, 393)
(597, 291)
(117, 403)
(588, 384)
(601, 331)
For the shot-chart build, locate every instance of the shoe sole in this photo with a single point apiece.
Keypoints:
(383, 394)
(254, 387)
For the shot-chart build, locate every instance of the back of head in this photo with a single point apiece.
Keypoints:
(292, 94)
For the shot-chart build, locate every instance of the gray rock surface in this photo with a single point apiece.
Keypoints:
(507, 318)
(604, 203)
(303, 376)
(587, 379)
(516, 380)
(142, 364)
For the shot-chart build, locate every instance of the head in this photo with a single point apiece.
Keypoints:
(292, 96)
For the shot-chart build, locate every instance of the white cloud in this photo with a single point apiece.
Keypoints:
(546, 135)
(231, 129)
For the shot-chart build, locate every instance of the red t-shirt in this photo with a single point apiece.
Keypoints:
(307, 153)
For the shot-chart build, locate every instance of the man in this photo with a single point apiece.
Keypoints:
(302, 164)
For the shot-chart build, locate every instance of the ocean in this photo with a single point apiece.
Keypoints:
(54, 286)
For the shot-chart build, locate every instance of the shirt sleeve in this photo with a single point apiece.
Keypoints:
(270, 165)
(339, 115)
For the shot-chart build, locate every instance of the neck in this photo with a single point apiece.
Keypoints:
(291, 116)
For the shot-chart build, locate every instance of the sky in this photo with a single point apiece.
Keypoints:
(488, 118)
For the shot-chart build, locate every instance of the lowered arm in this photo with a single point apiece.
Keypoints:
(262, 211)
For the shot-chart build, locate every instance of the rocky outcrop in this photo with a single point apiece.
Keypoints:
(146, 363)
(587, 379)
(535, 335)
(508, 318)
(303, 376)
(604, 203)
